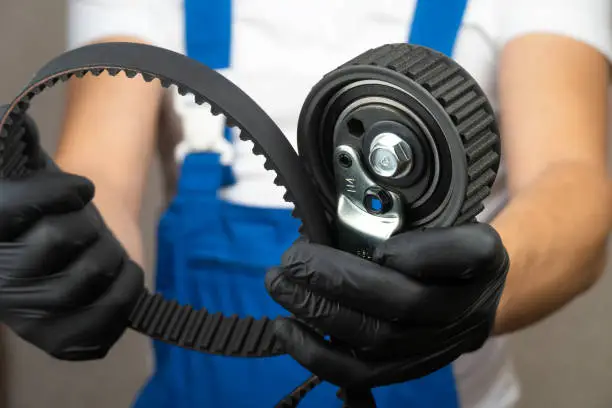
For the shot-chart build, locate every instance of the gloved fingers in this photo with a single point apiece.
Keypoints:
(125, 290)
(326, 315)
(90, 276)
(426, 363)
(49, 246)
(334, 364)
(24, 201)
(79, 284)
(91, 331)
(326, 360)
(378, 292)
(449, 255)
(355, 282)
(49, 192)
(352, 326)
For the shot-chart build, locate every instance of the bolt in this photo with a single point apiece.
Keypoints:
(345, 160)
(390, 156)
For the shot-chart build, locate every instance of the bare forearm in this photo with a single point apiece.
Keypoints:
(108, 136)
(119, 217)
(555, 231)
(124, 225)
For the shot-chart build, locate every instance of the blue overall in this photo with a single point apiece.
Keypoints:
(214, 254)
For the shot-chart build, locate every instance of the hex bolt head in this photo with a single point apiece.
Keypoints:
(390, 156)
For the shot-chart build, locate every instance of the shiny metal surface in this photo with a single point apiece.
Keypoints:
(361, 227)
(390, 156)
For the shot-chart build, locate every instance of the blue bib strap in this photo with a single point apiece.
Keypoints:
(208, 39)
(436, 24)
(208, 31)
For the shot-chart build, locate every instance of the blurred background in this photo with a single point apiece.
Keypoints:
(564, 362)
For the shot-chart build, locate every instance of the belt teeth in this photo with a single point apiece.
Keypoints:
(182, 91)
(214, 110)
(153, 315)
(21, 104)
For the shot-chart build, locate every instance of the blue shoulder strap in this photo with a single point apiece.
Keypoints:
(208, 31)
(436, 24)
(208, 25)
(208, 39)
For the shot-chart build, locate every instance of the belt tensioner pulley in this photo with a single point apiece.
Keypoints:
(399, 138)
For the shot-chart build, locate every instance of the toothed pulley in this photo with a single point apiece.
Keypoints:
(401, 137)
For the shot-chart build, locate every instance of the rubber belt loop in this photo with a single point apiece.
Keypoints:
(436, 24)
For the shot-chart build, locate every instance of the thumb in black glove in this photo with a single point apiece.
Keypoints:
(66, 284)
(428, 297)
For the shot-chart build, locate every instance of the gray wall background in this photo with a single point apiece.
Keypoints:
(564, 362)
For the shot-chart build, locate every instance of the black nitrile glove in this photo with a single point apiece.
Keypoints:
(428, 297)
(66, 284)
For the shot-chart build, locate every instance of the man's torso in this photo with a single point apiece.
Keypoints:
(278, 51)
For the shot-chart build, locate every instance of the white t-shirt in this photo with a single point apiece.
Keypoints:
(281, 48)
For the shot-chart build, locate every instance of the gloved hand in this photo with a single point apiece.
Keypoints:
(428, 297)
(66, 284)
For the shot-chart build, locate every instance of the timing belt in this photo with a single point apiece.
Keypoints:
(214, 333)
(154, 316)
